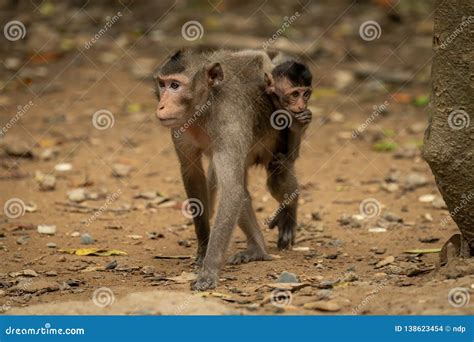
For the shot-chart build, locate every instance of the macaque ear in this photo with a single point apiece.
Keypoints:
(270, 83)
(214, 74)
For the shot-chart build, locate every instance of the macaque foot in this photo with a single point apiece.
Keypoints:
(286, 229)
(248, 255)
(456, 247)
(204, 282)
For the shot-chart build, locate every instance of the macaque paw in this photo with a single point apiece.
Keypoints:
(286, 229)
(304, 117)
(247, 256)
(204, 281)
(286, 237)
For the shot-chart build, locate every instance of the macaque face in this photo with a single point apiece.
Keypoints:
(293, 99)
(175, 99)
(180, 95)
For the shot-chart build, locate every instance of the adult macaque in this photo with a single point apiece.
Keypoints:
(233, 129)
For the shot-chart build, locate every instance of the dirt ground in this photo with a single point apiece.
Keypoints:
(343, 265)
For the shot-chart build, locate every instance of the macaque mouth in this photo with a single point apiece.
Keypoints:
(168, 121)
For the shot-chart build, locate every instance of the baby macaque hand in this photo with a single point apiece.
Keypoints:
(304, 117)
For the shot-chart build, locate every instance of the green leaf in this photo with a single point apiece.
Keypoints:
(384, 146)
(421, 101)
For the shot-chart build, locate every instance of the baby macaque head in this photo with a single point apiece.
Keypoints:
(291, 83)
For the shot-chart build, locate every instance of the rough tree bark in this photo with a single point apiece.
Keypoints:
(449, 139)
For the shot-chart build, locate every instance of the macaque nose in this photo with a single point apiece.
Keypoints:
(159, 110)
(299, 109)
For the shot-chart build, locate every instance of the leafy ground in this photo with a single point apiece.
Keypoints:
(363, 146)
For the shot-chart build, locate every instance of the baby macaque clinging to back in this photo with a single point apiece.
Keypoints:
(290, 88)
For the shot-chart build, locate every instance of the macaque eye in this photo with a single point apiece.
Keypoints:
(307, 94)
(174, 85)
(295, 94)
(161, 84)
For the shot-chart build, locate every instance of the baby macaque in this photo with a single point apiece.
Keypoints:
(289, 85)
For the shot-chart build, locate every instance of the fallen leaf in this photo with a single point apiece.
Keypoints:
(402, 98)
(384, 146)
(181, 257)
(285, 286)
(423, 251)
(386, 261)
(213, 294)
(421, 101)
(330, 306)
(184, 277)
(94, 251)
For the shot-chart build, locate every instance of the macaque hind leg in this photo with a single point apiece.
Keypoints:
(283, 186)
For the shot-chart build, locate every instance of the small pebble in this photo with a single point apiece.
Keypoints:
(287, 277)
(426, 198)
(46, 229)
(47, 183)
(377, 230)
(184, 243)
(77, 195)
(121, 170)
(63, 167)
(86, 239)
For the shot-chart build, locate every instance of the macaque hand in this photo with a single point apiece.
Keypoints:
(304, 117)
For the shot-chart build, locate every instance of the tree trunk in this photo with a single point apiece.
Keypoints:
(449, 139)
